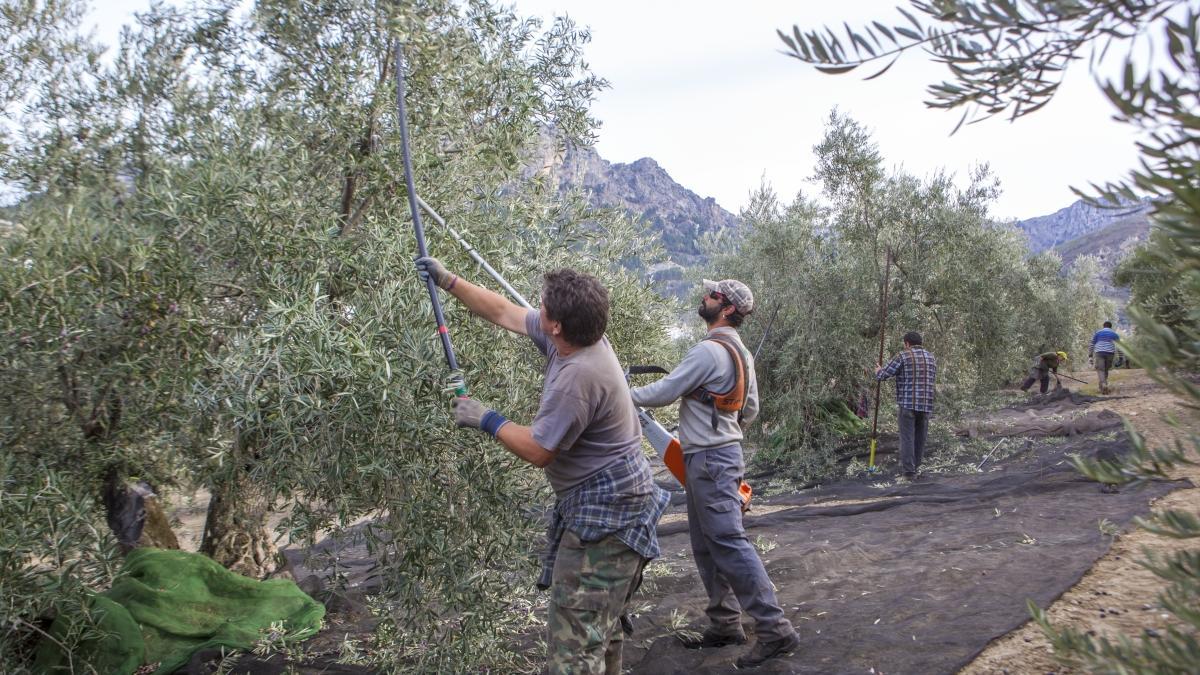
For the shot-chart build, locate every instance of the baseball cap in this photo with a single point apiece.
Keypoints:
(735, 291)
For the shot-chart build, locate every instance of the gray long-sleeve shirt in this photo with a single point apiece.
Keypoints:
(707, 365)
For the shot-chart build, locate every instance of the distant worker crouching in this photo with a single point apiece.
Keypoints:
(1043, 365)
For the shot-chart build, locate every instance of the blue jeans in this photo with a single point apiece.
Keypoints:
(729, 566)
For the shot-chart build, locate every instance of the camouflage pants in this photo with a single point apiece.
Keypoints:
(593, 583)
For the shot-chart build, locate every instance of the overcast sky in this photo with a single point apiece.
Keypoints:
(702, 88)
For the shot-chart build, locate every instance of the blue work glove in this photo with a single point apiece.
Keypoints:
(431, 268)
(470, 413)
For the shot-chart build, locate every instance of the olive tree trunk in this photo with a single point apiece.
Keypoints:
(235, 531)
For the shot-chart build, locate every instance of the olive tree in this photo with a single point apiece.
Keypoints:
(101, 330)
(1008, 56)
(1158, 286)
(817, 266)
(254, 269)
(100, 343)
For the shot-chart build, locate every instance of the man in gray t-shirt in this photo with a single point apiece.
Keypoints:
(586, 416)
(587, 438)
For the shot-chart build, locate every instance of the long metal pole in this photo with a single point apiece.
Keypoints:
(883, 303)
(456, 377)
(988, 456)
(475, 255)
(662, 440)
(763, 340)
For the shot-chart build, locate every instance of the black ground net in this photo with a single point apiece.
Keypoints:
(913, 577)
(1061, 412)
(900, 577)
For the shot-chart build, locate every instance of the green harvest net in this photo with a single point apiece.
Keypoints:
(169, 604)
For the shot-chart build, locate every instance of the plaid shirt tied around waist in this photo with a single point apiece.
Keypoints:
(621, 500)
(915, 371)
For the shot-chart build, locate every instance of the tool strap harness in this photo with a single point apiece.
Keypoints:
(734, 399)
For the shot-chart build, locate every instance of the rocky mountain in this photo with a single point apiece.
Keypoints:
(1082, 219)
(1108, 234)
(1109, 243)
(682, 218)
(644, 189)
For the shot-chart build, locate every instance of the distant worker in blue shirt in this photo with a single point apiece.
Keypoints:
(1102, 352)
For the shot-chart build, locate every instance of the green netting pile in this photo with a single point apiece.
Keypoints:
(168, 604)
(836, 416)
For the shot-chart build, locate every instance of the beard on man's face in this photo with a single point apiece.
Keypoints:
(709, 314)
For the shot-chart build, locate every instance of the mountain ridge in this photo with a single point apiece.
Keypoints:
(645, 190)
(1080, 219)
(682, 218)
(1082, 229)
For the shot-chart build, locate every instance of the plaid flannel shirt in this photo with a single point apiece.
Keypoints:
(915, 371)
(621, 500)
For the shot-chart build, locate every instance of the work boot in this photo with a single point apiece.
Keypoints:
(712, 639)
(761, 651)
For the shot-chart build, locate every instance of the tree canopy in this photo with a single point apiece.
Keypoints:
(209, 284)
(1010, 55)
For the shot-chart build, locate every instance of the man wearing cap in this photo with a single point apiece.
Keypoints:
(1042, 366)
(915, 371)
(714, 373)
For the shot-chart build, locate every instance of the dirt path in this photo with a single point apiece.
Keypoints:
(887, 576)
(1118, 596)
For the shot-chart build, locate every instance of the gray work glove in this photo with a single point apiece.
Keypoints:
(467, 412)
(431, 268)
(471, 413)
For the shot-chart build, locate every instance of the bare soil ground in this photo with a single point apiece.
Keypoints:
(1118, 596)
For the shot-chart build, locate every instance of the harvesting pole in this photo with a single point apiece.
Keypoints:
(663, 441)
(475, 255)
(763, 340)
(883, 303)
(456, 377)
(1072, 378)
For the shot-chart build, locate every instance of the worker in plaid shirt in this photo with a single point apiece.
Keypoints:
(915, 371)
